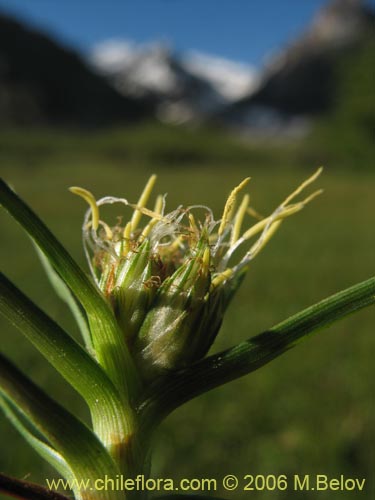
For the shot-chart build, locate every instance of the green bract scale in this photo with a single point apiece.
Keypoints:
(170, 280)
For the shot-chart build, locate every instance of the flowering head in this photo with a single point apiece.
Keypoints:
(170, 280)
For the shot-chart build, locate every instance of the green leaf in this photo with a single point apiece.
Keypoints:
(109, 343)
(111, 421)
(77, 444)
(252, 354)
(45, 451)
(63, 291)
(61, 350)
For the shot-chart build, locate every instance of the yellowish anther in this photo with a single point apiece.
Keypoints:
(262, 242)
(127, 237)
(254, 213)
(143, 199)
(284, 209)
(312, 196)
(90, 199)
(304, 184)
(206, 258)
(148, 212)
(283, 214)
(257, 228)
(177, 243)
(193, 226)
(127, 231)
(239, 219)
(107, 230)
(158, 204)
(230, 205)
(157, 210)
(220, 278)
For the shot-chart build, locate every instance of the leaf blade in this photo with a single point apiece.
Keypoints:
(63, 291)
(111, 418)
(43, 449)
(105, 332)
(248, 356)
(80, 447)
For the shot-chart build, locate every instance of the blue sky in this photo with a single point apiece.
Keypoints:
(242, 30)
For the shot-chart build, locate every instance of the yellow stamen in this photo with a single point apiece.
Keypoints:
(262, 242)
(286, 211)
(157, 210)
(311, 197)
(254, 213)
(220, 278)
(177, 243)
(304, 184)
(90, 199)
(257, 228)
(127, 237)
(148, 212)
(159, 204)
(193, 224)
(206, 258)
(193, 228)
(107, 229)
(239, 219)
(143, 199)
(230, 205)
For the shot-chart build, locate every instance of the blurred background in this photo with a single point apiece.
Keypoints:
(101, 94)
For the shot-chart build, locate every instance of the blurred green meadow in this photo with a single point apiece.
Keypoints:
(311, 411)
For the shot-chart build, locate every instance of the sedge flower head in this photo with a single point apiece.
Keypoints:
(169, 276)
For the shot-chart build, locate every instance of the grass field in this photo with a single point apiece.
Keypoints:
(310, 411)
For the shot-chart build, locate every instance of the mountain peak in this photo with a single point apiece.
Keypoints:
(340, 22)
(185, 86)
(43, 82)
(300, 81)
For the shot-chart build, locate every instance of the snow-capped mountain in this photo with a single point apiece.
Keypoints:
(298, 82)
(231, 79)
(188, 87)
(137, 69)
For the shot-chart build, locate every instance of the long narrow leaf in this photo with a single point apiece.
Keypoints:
(83, 452)
(248, 356)
(48, 453)
(109, 343)
(111, 422)
(63, 291)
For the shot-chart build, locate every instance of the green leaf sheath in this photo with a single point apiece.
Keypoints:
(109, 343)
(216, 370)
(83, 452)
(71, 360)
(27, 491)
